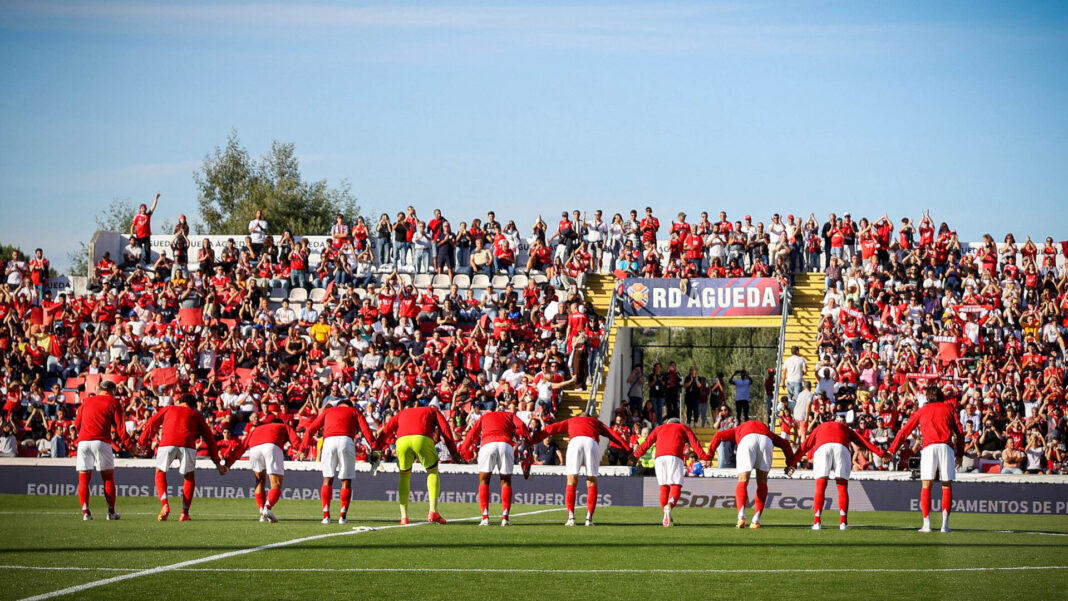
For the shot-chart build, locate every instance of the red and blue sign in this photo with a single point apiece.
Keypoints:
(701, 297)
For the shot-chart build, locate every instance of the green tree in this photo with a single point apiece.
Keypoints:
(115, 218)
(232, 186)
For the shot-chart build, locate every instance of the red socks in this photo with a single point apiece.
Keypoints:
(761, 496)
(947, 499)
(346, 496)
(569, 499)
(591, 499)
(675, 493)
(188, 486)
(843, 499)
(483, 499)
(326, 493)
(109, 491)
(261, 499)
(506, 498)
(663, 497)
(272, 497)
(161, 487)
(741, 495)
(821, 495)
(925, 502)
(83, 490)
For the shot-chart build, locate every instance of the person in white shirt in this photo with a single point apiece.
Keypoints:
(801, 405)
(793, 370)
(257, 230)
(776, 231)
(596, 234)
(284, 316)
(513, 375)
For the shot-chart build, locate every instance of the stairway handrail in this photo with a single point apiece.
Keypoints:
(787, 303)
(598, 368)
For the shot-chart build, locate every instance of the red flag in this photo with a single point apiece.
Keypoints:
(330, 289)
(244, 375)
(92, 381)
(163, 376)
(189, 318)
(37, 316)
(116, 378)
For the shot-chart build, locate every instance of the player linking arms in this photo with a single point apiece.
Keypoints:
(938, 426)
(670, 439)
(493, 434)
(414, 428)
(583, 450)
(97, 417)
(181, 424)
(264, 440)
(832, 458)
(755, 441)
(338, 454)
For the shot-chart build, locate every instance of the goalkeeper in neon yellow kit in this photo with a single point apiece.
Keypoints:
(414, 429)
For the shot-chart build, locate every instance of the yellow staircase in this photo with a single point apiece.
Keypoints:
(598, 291)
(802, 326)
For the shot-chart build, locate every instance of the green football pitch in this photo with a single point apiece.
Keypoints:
(225, 553)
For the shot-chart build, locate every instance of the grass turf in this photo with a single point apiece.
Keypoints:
(526, 559)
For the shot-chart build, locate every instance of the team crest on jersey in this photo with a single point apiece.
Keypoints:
(638, 294)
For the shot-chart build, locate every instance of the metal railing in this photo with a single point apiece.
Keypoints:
(605, 352)
(787, 302)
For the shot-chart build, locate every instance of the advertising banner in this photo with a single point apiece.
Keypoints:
(877, 495)
(701, 297)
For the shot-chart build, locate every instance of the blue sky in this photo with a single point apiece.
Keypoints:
(528, 108)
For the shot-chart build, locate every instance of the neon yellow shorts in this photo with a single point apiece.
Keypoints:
(416, 445)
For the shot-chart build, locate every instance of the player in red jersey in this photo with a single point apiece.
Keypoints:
(265, 440)
(414, 428)
(832, 458)
(97, 417)
(180, 426)
(338, 454)
(938, 427)
(755, 441)
(493, 434)
(583, 450)
(670, 438)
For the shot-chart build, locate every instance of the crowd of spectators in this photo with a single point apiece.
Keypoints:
(414, 311)
(987, 324)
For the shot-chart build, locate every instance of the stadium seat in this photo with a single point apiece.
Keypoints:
(422, 280)
(297, 295)
(277, 294)
(441, 281)
(462, 281)
(539, 278)
(406, 278)
(519, 281)
(317, 295)
(480, 281)
(499, 282)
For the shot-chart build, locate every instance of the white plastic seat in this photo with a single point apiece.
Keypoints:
(440, 280)
(462, 281)
(317, 295)
(298, 295)
(480, 281)
(499, 282)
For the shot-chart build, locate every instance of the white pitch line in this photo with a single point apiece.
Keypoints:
(192, 562)
(570, 571)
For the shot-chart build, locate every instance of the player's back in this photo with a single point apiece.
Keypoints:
(421, 421)
(274, 432)
(584, 425)
(830, 432)
(181, 426)
(671, 439)
(340, 420)
(96, 418)
(938, 422)
(497, 426)
(751, 427)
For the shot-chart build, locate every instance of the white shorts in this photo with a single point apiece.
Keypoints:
(338, 457)
(95, 455)
(187, 459)
(937, 462)
(669, 470)
(583, 451)
(496, 458)
(832, 460)
(267, 457)
(754, 453)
